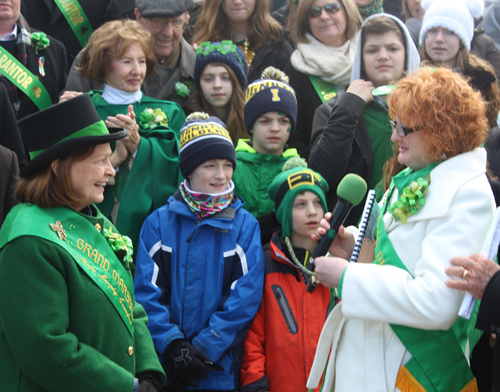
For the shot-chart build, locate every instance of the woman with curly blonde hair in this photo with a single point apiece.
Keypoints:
(396, 311)
(249, 24)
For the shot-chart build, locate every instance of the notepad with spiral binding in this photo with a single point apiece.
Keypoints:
(365, 246)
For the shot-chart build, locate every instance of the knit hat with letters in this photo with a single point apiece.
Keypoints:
(294, 179)
(204, 138)
(271, 93)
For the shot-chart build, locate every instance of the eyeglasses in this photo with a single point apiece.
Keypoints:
(401, 129)
(332, 8)
(160, 23)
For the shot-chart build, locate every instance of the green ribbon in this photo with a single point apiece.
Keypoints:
(96, 129)
(383, 90)
(77, 19)
(40, 41)
(325, 90)
(29, 84)
(152, 118)
(411, 199)
(181, 90)
(120, 244)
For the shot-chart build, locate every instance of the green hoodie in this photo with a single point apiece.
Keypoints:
(253, 175)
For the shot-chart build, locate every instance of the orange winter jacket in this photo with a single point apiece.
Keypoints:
(280, 346)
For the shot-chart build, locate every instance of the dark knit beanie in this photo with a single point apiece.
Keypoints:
(294, 179)
(271, 93)
(204, 138)
(221, 52)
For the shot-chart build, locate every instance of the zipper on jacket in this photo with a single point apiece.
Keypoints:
(285, 308)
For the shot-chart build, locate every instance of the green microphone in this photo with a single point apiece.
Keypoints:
(350, 192)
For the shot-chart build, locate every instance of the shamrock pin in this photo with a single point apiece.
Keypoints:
(39, 41)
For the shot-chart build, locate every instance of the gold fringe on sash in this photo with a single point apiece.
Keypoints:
(405, 382)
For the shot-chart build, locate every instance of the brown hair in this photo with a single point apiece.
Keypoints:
(378, 26)
(469, 62)
(235, 123)
(213, 25)
(110, 42)
(301, 25)
(46, 189)
(406, 11)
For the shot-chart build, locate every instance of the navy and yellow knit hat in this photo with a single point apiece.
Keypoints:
(204, 138)
(271, 93)
(294, 179)
(221, 52)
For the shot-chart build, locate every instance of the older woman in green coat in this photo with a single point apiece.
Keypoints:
(120, 55)
(68, 317)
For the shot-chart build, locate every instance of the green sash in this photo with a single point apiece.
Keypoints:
(86, 245)
(77, 20)
(325, 90)
(438, 362)
(17, 73)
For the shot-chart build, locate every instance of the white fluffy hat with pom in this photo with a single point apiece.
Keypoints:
(454, 15)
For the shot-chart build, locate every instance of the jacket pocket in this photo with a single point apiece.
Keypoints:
(286, 310)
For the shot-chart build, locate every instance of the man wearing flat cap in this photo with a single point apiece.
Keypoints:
(165, 20)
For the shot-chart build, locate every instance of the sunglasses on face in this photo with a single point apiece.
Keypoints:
(332, 8)
(401, 129)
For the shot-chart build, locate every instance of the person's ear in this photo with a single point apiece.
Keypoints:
(55, 166)
(137, 15)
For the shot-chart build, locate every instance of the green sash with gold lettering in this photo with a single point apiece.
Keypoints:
(86, 245)
(325, 90)
(77, 20)
(438, 362)
(17, 73)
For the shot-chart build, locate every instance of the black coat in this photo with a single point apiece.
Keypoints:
(56, 73)
(276, 55)
(340, 144)
(44, 15)
(10, 136)
(308, 101)
(488, 319)
(9, 177)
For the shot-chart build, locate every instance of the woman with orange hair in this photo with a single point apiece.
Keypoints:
(397, 325)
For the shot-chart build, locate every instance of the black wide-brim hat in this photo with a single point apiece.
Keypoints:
(63, 129)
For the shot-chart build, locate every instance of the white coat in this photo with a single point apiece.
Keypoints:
(366, 354)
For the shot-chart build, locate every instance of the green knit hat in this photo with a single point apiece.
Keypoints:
(295, 178)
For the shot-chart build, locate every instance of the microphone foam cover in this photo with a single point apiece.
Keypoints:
(352, 188)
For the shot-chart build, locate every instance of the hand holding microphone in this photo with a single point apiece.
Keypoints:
(350, 192)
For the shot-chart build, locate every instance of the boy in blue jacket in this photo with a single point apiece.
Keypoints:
(200, 266)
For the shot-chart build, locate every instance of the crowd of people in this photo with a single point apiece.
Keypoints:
(168, 168)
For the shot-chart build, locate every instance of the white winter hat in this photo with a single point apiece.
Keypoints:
(454, 15)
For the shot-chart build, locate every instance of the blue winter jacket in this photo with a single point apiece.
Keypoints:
(201, 281)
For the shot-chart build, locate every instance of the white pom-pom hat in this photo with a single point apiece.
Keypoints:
(454, 15)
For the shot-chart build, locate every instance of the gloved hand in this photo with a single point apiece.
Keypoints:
(148, 382)
(185, 364)
(147, 386)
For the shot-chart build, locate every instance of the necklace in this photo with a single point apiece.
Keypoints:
(246, 44)
(314, 278)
